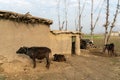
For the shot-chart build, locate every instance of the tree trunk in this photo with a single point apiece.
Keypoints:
(66, 15)
(105, 38)
(58, 8)
(109, 34)
(92, 29)
(114, 20)
(106, 24)
(79, 15)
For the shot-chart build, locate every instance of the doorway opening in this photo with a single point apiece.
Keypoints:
(73, 45)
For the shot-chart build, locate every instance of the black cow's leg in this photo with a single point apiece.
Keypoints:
(48, 62)
(34, 63)
(104, 49)
(108, 53)
(112, 52)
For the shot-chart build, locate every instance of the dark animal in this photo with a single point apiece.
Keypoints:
(83, 44)
(59, 57)
(109, 48)
(86, 44)
(36, 53)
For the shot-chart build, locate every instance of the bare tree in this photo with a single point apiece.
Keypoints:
(98, 17)
(62, 25)
(92, 27)
(58, 8)
(66, 15)
(107, 23)
(76, 28)
(79, 16)
(114, 20)
(80, 11)
(107, 34)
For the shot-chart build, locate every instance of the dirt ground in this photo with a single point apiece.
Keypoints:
(90, 65)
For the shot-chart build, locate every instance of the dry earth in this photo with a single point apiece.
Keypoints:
(89, 66)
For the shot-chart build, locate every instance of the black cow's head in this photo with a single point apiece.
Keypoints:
(22, 50)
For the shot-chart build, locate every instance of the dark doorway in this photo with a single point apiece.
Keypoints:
(73, 44)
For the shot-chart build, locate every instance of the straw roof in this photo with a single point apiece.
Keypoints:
(23, 18)
(57, 32)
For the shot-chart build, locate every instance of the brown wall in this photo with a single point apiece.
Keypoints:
(61, 43)
(14, 35)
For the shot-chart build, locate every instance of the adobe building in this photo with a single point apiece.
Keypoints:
(115, 33)
(18, 30)
(65, 42)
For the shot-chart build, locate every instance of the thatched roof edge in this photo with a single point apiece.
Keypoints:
(24, 18)
(57, 32)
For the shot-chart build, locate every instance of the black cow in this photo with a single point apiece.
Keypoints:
(83, 44)
(59, 57)
(109, 48)
(36, 53)
(86, 44)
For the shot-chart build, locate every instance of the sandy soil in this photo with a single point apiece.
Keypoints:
(91, 65)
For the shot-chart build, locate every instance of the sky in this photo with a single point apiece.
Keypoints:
(48, 9)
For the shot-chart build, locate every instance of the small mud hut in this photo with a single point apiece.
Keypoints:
(66, 42)
(17, 30)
